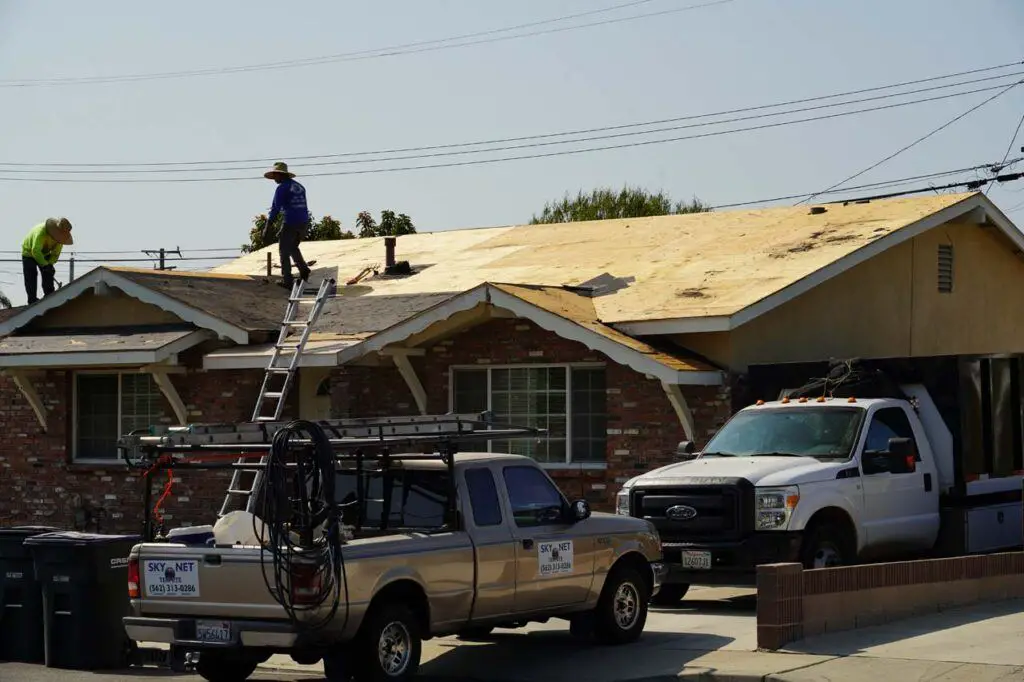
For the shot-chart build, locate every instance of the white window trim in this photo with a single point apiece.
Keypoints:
(95, 461)
(568, 465)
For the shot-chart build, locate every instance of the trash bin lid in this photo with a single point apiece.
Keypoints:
(26, 531)
(74, 537)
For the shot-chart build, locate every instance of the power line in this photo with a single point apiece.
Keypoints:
(531, 145)
(918, 140)
(874, 185)
(477, 162)
(377, 53)
(541, 136)
(1009, 147)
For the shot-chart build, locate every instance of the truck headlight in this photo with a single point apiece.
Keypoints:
(622, 502)
(774, 507)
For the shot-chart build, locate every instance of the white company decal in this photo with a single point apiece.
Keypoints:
(554, 558)
(170, 578)
(118, 562)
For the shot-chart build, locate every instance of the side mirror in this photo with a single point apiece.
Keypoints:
(686, 451)
(580, 510)
(901, 456)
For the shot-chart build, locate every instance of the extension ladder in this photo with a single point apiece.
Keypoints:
(245, 481)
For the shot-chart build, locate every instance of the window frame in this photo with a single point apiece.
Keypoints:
(568, 367)
(115, 460)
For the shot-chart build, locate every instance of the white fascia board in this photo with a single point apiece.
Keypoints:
(623, 355)
(416, 324)
(136, 291)
(258, 357)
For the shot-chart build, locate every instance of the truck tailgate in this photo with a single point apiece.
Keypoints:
(194, 581)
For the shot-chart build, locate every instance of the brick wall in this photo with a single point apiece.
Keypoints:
(643, 429)
(40, 484)
(793, 603)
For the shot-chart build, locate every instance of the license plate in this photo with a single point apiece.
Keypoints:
(213, 631)
(171, 578)
(698, 560)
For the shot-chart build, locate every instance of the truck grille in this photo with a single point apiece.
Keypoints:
(712, 513)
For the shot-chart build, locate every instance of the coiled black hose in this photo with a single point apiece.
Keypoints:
(301, 526)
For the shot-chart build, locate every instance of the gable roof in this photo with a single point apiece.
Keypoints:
(565, 313)
(693, 272)
(232, 306)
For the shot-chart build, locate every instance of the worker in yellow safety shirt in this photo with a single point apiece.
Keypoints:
(40, 251)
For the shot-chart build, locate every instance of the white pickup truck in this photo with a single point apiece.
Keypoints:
(823, 481)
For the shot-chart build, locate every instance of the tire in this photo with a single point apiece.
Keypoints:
(621, 611)
(223, 666)
(670, 595)
(825, 546)
(389, 645)
(478, 633)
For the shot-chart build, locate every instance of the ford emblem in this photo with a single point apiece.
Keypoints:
(680, 512)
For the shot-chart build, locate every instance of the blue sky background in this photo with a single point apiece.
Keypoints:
(743, 53)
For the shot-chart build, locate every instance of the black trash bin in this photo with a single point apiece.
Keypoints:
(21, 600)
(84, 578)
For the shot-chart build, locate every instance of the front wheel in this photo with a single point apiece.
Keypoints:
(621, 612)
(825, 546)
(389, 646)
(670, 595)
(225, 666)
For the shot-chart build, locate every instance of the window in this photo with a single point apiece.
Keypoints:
(534, 498)
(107, 406)
(569, 402)
(418, 498)
(483, 497)
(821, 432)
(891, 422)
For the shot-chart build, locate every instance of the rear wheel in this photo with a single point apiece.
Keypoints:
(389, 646)
(621, 611)
(225, 666)
(670, 595)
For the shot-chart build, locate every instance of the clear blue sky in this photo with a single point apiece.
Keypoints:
(743, 53)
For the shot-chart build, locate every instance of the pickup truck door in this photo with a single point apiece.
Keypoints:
(554, 562)
(494, 546)
(901, 511)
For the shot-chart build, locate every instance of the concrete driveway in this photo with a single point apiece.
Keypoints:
(708, 620)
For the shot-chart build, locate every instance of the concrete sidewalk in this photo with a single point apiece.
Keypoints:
(978, 644)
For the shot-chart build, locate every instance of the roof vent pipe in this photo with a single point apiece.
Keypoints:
(817, 210)
(389, 251)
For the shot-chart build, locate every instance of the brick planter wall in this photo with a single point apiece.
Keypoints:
(793, 603)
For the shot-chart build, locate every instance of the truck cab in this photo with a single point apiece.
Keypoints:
(823, 481)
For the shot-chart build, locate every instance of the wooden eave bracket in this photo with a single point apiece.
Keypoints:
(678, 400)
(161, 377)
(24, 384)
(408, 373)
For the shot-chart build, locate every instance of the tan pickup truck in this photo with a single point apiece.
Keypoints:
(519, 552)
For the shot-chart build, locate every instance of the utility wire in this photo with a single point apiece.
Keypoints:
(1009, 147)
(377, 53)
(567, 133)
(477, 162)
(918, 140)
(528, 145)
(876, 185)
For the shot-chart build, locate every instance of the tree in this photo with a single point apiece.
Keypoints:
(325, 229)
(4, 301)
(390, 224)
(604, 203)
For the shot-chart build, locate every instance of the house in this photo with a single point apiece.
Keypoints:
(620, 337)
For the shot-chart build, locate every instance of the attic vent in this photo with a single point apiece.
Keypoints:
(945, 268)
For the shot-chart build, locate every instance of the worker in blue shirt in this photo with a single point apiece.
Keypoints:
(290, 200)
